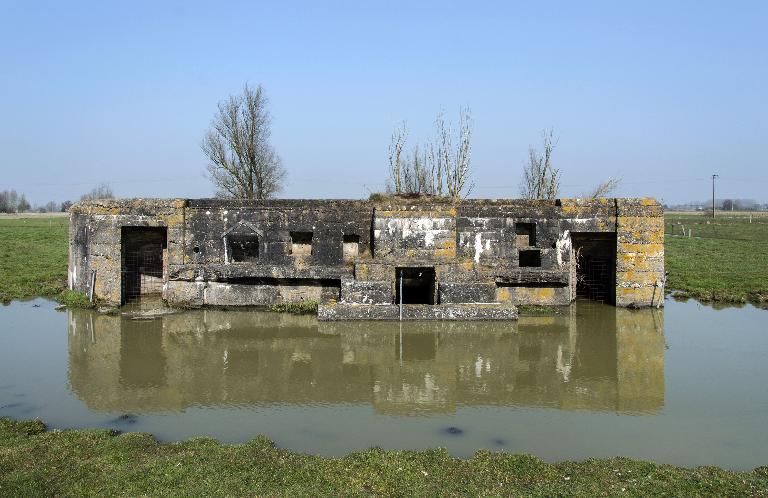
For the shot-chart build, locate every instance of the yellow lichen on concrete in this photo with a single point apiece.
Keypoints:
(502, 294)
(361, 271)
(640, 229)
(639, 262)
(646, 249)
(606, 225)
(446, 249)
(642, 296)
(638, 277)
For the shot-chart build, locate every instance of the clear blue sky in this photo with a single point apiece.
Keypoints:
(661, 94)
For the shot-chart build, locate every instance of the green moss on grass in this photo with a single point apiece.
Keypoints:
(34, 462)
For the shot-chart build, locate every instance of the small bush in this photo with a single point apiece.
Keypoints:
(379, 197)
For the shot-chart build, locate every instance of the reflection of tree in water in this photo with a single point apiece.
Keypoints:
(596, 358)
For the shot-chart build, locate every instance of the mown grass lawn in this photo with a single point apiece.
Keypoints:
(723, 260)
(33, 257)
(34, 462)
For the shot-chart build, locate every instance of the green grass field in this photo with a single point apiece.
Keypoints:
(723, 260)
(34, 462)
(33, 256)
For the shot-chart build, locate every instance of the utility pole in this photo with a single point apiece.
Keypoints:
(713, 194)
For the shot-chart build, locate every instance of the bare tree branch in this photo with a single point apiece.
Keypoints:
(605, 188)
(101, 191)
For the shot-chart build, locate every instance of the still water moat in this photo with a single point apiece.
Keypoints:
(683, 385)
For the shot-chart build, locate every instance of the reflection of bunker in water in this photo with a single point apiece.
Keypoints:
(595, 357)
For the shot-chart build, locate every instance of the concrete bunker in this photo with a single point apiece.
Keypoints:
(143, 251)
(595, 258)
(477, 259)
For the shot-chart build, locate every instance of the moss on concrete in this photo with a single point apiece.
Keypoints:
(298, 308)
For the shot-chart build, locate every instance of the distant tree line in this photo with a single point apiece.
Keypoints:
(14, 202)
(739, 205)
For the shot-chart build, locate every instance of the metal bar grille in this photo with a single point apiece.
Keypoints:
(595, 280)
(143, 271)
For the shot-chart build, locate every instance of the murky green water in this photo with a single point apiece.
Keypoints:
(684, 385)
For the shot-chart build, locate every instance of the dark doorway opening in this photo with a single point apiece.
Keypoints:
(418, 285)
(142, 254)
(595, 256)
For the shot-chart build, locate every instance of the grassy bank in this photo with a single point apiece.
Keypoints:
(723, 260)
(97, 462)
(33, 256)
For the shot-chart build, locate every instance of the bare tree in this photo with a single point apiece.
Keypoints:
(605, 188)
(100, 191)
(396, 144)
(540, 179)
(23, 205)
(5, 202)
(243, 163)
(437, 168)
(9, 201)
(456, 163)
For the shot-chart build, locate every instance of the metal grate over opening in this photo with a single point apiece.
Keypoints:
(143, 271)
(595, 279)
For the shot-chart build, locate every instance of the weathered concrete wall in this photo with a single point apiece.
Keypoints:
(95, 239)
(640, 252)
(230, 252)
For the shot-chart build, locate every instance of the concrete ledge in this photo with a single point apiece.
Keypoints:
(222, 272)
(511, 275)
(489, 311)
